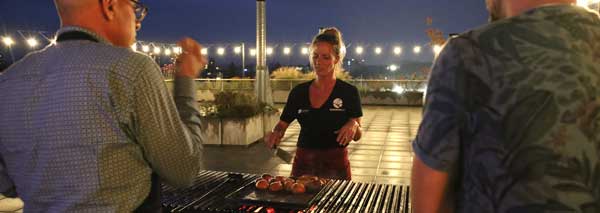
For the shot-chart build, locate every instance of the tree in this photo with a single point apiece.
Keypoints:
(231, 71)
(437, 36)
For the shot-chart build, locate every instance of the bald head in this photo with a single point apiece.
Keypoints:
(113, 20)
(72, 9)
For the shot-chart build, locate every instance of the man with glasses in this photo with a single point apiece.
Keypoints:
(87, 124)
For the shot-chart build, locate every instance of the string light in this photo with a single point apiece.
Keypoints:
(304, 50)
(377, 50)
(359, 50)
(417, 49)
(397, 50)
(8, 41)
(32, 42)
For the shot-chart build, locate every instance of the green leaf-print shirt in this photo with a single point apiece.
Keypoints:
(513, 112)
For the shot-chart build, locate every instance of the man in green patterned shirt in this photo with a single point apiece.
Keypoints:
(512, 114)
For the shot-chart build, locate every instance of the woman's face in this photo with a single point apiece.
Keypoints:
(324, 59)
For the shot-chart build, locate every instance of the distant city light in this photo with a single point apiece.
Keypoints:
(167, 52)
(204, 51)
(393, 68)
(8, 41)
(417, 49)
(304, 50)
(221, 51)
(32, 42)
(252, 52)
(359, 50)
(237, 50)
(378, 50)
(156, 50)
(134, 47)
(397, 50)
(146, 48)
(437, 49)
(286, 50)
(269, 50)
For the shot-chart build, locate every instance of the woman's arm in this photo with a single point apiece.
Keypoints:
(274, 137)
(349, 131)
(358, 133)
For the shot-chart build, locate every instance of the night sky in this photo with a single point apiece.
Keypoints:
(289, 22)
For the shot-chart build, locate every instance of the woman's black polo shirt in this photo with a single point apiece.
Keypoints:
(317, 125)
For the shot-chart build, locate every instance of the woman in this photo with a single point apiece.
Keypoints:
(328, 110)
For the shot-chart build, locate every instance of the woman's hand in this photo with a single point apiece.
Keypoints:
(273, 138)
(348, 132)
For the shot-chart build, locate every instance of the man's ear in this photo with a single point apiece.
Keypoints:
(108, 8)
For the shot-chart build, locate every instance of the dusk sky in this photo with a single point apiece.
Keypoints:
(368, 22)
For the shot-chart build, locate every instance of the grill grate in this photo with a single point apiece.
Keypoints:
(210, 188)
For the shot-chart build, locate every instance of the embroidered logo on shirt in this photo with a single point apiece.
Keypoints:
(338, 103)
(300, 111)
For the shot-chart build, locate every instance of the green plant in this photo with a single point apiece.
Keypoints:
(232, 104)
(342, 75)
(287, 73)
(294, 73)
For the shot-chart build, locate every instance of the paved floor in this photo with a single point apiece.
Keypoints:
(383, 155)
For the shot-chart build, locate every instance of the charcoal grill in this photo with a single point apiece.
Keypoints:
(210, 189)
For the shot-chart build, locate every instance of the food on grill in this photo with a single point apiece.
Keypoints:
(313, 186)
(288, 185)
(280, 178)
(298, 188)
(308, 177)
(275, 186)
(267, 177)
(262, 184)
(303, 184)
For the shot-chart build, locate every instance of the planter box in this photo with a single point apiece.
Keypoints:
(391, 98)
(211, 131)
(237, 132)
(242, 131)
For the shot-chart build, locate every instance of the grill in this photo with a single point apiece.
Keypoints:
(210, 189)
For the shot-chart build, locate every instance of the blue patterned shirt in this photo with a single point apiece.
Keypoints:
(513, 112)
(83, 125)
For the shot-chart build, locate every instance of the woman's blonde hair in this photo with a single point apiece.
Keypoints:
(333, 36)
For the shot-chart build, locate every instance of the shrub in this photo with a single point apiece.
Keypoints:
(231, 104)
(287, 73)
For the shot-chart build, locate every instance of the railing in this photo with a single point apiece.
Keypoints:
(397, 86)
(377, 92)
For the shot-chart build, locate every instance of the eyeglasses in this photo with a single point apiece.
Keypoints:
(140, 11)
